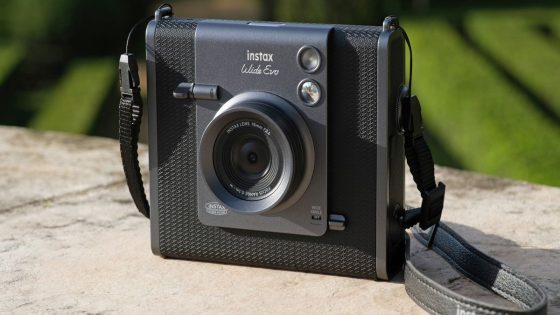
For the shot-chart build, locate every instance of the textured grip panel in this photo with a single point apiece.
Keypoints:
(352, 138)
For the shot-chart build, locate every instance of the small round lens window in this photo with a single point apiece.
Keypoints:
(309, 59)
(309, 92)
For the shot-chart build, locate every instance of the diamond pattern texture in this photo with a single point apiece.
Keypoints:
(352, 151)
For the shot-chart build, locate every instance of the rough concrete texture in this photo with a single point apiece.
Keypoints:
(72, 241)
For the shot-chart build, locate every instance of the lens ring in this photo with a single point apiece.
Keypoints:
(309, 59)
(292, 138)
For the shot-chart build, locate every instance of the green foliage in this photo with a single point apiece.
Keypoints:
(32, 20)
(76, 100)
(78, 27)
(330, 11)
(485, 122)
(518, 40)
(488, 79)
(483, 74)
(11, 55)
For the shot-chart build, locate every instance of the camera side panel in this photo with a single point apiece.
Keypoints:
(390, 155)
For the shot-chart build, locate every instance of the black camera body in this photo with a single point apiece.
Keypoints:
(282, 145)
(276, 144)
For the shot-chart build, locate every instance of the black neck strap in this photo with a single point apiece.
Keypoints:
(130, 117)
(427, 293)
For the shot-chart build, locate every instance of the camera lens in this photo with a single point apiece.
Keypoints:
(251, 156)
(256, 155)
(247, 159)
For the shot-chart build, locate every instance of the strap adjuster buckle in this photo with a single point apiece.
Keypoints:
(432, 206)
(412, 115)
(128, 74)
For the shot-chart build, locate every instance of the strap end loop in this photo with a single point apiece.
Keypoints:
(429, 214)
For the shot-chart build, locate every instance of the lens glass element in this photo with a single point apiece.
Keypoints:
(247, 159)
(250, 156)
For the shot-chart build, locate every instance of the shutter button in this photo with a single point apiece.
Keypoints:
(337, 222)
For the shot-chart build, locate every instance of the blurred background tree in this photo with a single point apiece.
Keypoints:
(57, 64)
(85, 27)
(487, 71)
(334, 11)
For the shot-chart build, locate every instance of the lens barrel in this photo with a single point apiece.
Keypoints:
(255, 154)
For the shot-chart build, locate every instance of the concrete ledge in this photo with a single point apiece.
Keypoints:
(72, 241)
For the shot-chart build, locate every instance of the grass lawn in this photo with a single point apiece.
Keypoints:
(75, 101)
(487, 123)
(526, 43)
(11, 55)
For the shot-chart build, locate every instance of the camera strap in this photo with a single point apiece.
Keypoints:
(430, 295)
(130, 117)
(467, 260)
(470, 262)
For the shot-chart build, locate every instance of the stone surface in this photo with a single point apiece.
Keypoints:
(72, 241)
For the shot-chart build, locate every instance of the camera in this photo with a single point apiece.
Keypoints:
(277, 144)
(282, 145)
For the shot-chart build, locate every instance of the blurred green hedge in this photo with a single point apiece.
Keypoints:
(488, 87)
(487, 76)
(85, 27)
(333, 11)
